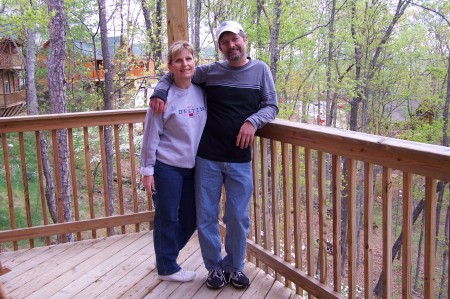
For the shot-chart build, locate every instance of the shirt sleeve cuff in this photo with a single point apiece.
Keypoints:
(146, 171)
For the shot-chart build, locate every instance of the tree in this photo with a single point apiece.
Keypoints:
(33, 109)
(153, 26)
(196, 20)
(108, 68)
(57, 97)
(33, 17)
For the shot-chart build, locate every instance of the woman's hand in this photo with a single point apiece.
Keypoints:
(149, 184)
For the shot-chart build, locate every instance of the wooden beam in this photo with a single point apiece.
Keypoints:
(307, 282)
(74, 226)
(177, 21)
(413, 157)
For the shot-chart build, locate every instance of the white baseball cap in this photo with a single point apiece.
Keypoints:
(231, 26)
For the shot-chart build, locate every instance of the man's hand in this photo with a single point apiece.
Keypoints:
(246, 135)
(158, 105)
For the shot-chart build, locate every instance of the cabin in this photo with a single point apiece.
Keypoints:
(12, 90)
(137, 64)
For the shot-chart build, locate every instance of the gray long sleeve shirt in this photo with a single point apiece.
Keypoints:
(173, 137)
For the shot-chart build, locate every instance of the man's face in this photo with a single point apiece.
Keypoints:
(233, 47)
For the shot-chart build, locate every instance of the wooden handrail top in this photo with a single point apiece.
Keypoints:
(71, 120)
(414, 157)
(74, 226)
(417, 158)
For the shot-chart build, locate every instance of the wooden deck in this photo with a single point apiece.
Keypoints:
(118, 267)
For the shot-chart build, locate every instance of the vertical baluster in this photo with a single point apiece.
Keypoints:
(309, 213)
(286, 204)
(407, 235)
(352, 213)
(133, 172)
(73, 177)
(430, 237)
(275, 205)
(101, 132)
(26, 191)
(322, 181)
(12, 215)
(265, 195)
(387, 232)
(58, 181)
(298, 251)
(41, 181)
(87, 160)
(119, 173)
(337, 205)
(368, 230)
(255, 230)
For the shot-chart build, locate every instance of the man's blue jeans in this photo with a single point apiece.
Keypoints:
(174, 214)
(238, 181)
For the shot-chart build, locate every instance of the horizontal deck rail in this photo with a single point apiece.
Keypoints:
(328, 207)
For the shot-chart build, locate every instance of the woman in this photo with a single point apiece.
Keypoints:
(167, 162)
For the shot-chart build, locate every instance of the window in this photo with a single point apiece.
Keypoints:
(6, 87)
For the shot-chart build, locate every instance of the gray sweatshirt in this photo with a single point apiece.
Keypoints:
(173, 136)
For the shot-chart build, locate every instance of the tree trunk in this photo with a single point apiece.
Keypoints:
(446, 108)
(330, 102)
(196, 27)
(157, 39)
(108, 68)
(274, 36)
(354, 103)
(57, 95)
(154, 33)
(33, 109)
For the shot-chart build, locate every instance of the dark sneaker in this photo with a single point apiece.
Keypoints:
(216, 279)
(238, 279)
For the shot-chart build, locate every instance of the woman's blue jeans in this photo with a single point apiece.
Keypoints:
(175, 220)
(238, 181)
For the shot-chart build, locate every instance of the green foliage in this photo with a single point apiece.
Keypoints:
(424, 132)
(16, 177)
(20, 15)
(411, 64)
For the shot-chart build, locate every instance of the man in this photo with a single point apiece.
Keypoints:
(241, 98)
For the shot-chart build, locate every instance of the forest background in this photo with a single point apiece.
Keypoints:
(379, 67)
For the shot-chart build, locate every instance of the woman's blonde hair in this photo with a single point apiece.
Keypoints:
(176, 47)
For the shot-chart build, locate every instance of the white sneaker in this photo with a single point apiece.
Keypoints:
(180, 276)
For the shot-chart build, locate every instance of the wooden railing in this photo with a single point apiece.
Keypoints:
(22, 189)
(315, 182)
(324, 210)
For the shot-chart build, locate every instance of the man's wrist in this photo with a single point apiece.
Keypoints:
(159, 93)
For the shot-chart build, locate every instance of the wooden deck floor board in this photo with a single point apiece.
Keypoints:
(117, 267)
(40, 270)
(71, 261)
(96, 279)
(182, 290)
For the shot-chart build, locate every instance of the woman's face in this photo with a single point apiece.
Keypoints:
(183, 65)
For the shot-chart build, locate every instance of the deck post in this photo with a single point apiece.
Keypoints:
(177, 21)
